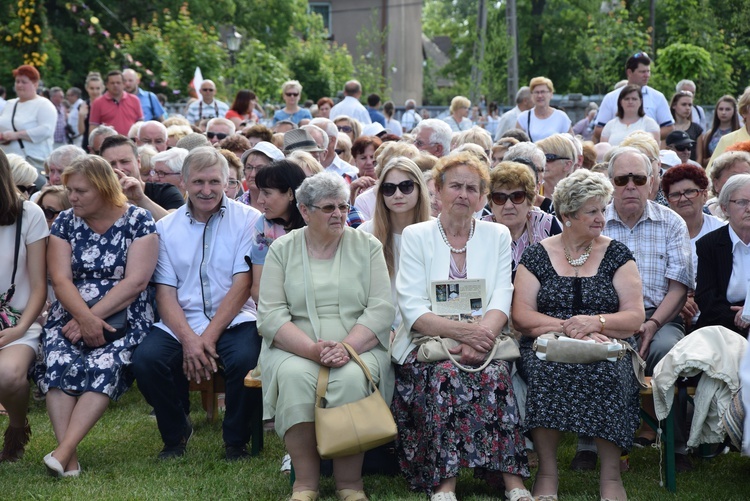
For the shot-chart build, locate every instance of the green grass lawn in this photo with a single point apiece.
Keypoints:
(119, 462)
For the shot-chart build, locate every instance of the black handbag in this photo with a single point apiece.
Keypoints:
(119, 321)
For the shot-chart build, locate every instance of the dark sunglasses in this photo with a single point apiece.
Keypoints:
(220, 135)
(328, 209)
(551, 157)
(405, 187)
(50, 214)
(688, 194)
(28, 190)
(517, 197)
(291, 94)
(338, 152)
(684, 147)
(641, 54)
(345, 129)
(207, 90)
(638, 179)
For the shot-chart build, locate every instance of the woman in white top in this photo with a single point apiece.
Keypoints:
(630, 117)
(542, 120)
(27, 123)
(458, 120)
(402, 198)
(391, 124)
(19, 344)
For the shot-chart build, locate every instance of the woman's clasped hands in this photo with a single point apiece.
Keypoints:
(584, 327)
(331, 354)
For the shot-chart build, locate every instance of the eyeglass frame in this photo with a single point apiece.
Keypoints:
(695, 193)
(406, 187)
(636, 178)
(330, 209)
(508, 196)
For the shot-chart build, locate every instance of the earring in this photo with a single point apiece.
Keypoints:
(567, 223)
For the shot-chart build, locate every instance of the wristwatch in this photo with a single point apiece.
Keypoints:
(603, 322)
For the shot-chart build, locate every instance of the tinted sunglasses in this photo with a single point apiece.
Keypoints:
(345, 128)
(328, 209)
(641, 54)
(638, 179)
(220, 135)
(291, 94)
(50, 214)
(551, 157)
(389, 189)
(517, 197)
(28, 190)
(338, 152)
(684, 147)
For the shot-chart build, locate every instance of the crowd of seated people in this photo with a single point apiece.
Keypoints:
(213, 243)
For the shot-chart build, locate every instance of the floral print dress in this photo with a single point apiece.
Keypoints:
(98, 263)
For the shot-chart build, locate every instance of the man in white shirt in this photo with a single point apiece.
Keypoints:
(73, 96)
(509, 118)
(207, 106)
(410, 118)
(207, 316)
(350, 105)
(638, 72)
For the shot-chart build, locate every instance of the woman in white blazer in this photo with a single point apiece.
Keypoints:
(449, 418)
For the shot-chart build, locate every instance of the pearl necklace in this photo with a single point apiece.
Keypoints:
(580, 261)
(445, 237)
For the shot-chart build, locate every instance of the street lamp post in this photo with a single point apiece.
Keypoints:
(233, 39)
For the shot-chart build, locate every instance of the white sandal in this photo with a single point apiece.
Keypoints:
(518, 494)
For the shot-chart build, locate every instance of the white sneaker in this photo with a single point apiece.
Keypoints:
(286, 464)
(444, 496)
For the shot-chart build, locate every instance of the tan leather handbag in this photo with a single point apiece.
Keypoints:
(435, 349)
(351, 428)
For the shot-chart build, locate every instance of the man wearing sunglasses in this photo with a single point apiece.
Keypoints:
(659, 241)
(350, 105)
(638, 72)
(679, 142)
(207, 106)
(219, 129)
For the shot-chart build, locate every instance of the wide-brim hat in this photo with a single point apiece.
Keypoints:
(299, 139)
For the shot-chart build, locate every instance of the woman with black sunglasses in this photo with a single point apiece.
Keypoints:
(20, 305)
(512, 195)
(290, 93)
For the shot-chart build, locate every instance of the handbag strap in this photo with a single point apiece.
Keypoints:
(19, 224)
(13, 123)
(490, 357)
(528, 124)
(322, 386)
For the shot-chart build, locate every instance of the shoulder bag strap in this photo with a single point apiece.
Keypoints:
(452, 358)
(322, 386)
(19, 224)
(151, 103)
(528, 124)
(13, 123)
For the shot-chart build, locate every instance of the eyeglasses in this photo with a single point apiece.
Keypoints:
(50, 214)
(208, 90)
(328, 209)
(219, 135)
(232, 183)
(159, 174)
(345, 129)
(517, 197)
(422, 144)
(27, 190)
(291, 94)
(741, 202)
(249, 168)
(638, 179)
(540, 92)
(389, 189)
(684, 147)
(551, 157)
(688, 194)
(339, 152)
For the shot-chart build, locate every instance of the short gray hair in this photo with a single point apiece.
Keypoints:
(173, 158)
(320, 187)
(683, 83)
(523, 94)
(627, 150)
(204, 157)
(529, 151)
(63, 156)
(314, 130)
(441, 132)
(102, 130)
(222, 121)
(327, 126)
(579, 187)
(734, 183)
(153, 123)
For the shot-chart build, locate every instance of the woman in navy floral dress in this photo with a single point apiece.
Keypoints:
(101, 251)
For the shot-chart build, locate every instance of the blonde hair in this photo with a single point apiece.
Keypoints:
(344, 142)
(475, 135)
(55, 191)
(743, 103)
(382, 227)
(457, 159)
(22, 172)
(541, 81)
(459, 102)
(102, 177)
(291, 84)
(305, 160)
(643, 142)
(176, 120)
(559, 145)
(355, 125)
(392, 149)
(425, 162)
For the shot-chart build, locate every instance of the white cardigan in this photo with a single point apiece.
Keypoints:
(425, 257)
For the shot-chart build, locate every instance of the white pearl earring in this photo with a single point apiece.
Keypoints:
(567, 223)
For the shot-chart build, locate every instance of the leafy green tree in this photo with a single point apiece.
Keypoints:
(257, 69)
(371, 59)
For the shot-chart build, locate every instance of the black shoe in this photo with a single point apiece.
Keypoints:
(682, 463)
(236, 453)
(178, 450)
(584, 461)
(643, 442)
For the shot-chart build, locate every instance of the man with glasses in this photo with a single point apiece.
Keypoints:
(679, 142)
(218, 129)
(330, 159)
(168, 166)
(350, 105)
(116, 107)
(660, 243)
(153, 133)
(207, 106)
(433, 136)
(638, 72)
(158, 198)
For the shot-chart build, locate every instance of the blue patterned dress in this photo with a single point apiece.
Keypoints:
(98, 264)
